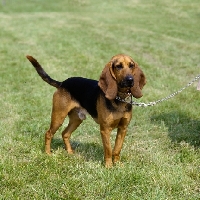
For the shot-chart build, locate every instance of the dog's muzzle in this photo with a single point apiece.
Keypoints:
(128, 81)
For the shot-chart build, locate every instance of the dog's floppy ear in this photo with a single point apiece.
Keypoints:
(139, 82)
(107, 82)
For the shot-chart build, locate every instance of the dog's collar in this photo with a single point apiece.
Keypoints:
(124, 97)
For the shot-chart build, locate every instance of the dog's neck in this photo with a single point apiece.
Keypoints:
(124, 94)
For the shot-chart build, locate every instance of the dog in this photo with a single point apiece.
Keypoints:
(104, 100)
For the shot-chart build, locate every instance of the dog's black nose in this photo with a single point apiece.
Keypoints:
(129, 80)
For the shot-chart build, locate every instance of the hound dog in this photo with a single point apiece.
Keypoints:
(76, 96)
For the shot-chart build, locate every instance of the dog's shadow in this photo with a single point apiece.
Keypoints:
(90, 151)
(180, 127)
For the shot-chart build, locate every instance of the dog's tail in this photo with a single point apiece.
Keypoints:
(42, 73)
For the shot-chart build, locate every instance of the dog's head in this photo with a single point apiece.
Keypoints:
(123, 75)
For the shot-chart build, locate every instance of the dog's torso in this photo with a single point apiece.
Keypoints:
(90, 97)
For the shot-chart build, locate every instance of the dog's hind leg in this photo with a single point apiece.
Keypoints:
(74, 122)
(59, 112)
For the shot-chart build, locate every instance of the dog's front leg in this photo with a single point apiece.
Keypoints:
(121, 133)
(105, 135)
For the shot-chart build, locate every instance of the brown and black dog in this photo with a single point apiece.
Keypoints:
(76, 96)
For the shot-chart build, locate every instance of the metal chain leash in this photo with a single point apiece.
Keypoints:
(160, 100)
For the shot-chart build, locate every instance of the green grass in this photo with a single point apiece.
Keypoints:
(161, 153)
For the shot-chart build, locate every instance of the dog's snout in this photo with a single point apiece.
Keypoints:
(129, 80)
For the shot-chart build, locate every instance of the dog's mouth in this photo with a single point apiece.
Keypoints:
(127, 82)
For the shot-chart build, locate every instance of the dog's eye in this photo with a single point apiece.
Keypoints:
(119, 66)
(131, 65)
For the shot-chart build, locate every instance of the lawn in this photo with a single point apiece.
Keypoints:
(161, 153)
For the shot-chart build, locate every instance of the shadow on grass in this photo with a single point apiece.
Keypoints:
(89, 150)
(180, 127)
